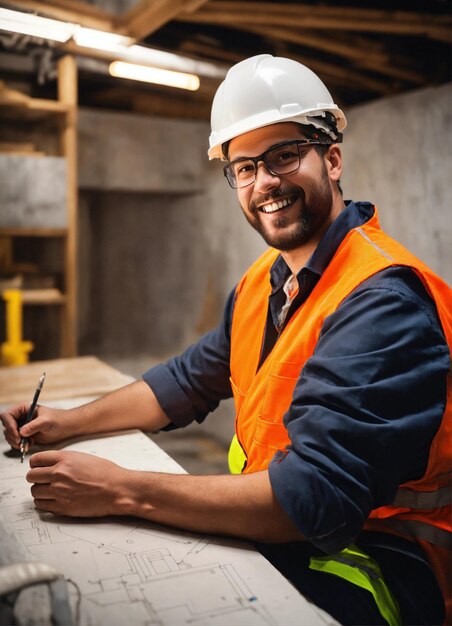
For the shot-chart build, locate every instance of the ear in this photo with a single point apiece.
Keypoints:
(333, 162)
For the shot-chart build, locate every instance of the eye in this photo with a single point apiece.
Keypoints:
(243, 168)
(285, 155)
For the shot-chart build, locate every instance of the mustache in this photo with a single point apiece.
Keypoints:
(275, 195)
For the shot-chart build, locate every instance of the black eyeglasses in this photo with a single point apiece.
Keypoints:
(283, 158)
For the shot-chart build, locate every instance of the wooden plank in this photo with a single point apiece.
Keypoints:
(12, 96)
(206, 51)
(318, 17)
(82, 13)
(300, 8)
(42, 296)
(170, 107)
(147, 17)
(375, 60)
(33, 232)
(65, 378)
(20, 148)
(344, 75)
(194, 106)
(32, 109)
(67, 95)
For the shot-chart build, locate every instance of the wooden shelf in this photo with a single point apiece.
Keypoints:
(59, 120)
(33, 110)
(49, 295)
(32, 232)
(43, 296)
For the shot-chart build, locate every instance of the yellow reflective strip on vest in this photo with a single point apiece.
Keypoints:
(360, 569)
(236, 457)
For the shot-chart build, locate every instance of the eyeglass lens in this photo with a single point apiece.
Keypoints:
(282, 159)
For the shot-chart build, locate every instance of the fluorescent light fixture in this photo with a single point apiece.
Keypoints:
(100, 40)
(116, 46)
(154, 75)
(171, 61)
(28, 24)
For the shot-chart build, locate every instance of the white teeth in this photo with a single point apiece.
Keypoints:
(275, 206)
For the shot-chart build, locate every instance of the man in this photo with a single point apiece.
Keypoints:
(335, 345)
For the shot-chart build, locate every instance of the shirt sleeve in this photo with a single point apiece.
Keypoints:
(365, 409)
(191, 385)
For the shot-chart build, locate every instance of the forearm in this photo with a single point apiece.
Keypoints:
(242, 506)
(132, 406)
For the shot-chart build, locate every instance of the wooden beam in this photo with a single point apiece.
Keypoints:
(374, 60)
(339, 72)
(346, 75)
(67, 94)
(148, 16)
(143, 19)
(87, 15)
(156, 103)
(170, 107)
(226, 13)
(206, 51)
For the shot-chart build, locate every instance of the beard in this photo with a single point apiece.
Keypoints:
(313, 217)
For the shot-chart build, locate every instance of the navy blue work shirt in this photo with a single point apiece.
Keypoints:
(367, 403)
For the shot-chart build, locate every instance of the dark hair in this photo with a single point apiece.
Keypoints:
(321, 151)
(225, 148)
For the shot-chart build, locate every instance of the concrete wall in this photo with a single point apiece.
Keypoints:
(397, 154)
(32, 191)
(156, 267)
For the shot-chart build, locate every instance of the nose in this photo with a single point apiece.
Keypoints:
(265, 180)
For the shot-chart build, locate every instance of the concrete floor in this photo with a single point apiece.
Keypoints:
(197, 451)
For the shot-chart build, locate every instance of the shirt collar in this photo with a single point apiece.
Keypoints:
(355, 214)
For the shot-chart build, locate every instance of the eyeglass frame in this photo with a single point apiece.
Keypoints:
(261, 158)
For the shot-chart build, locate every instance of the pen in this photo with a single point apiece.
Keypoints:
(31, 410)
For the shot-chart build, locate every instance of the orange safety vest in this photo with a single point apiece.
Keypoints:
(422, 508)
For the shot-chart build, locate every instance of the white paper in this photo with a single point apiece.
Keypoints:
(128, 571)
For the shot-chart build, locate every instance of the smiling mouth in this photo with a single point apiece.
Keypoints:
(277, 205)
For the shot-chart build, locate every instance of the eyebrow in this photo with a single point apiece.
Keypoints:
(275, 145)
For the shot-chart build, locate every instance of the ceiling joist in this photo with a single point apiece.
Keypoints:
(146, 17)
(81, 13)
(374, 60)
(142, 20)
(226, 13)
(361, 51)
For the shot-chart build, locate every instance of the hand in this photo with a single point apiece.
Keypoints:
(75, 483)
(47, 426)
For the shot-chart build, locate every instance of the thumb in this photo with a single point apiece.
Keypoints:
(32, 428)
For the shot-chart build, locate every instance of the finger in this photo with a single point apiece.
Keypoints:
(42, 492)
(40, 476)
(34, 426)
(45, 459)
(50, 506)
(17, 412)
(12, 437)
(10, 429)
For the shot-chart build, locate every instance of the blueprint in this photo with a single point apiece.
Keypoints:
(129, 571)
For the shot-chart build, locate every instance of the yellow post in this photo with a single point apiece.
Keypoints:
(14, 351)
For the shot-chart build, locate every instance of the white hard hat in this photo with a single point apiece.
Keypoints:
(264, 90)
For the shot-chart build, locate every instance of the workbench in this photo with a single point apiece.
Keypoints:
(127, 570)
(85, 376)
